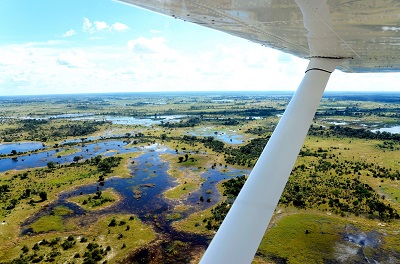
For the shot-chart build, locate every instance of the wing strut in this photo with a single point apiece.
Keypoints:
(241, 232)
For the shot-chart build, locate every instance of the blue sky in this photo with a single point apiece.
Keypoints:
(91, 46)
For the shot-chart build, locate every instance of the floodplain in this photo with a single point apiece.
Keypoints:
(149, 177)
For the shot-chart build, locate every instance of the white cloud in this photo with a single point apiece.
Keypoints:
(87, 25)
(119, 27)
(69, 33)
(74, 59)
(100, 25)
(14, 56)
(150, 64)
(148, 45)
(19, 78)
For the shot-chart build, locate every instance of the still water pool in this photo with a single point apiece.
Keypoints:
(393, 130)
(6, 148)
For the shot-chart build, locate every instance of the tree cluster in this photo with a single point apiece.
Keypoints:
(43, 130)
(247, 154)
(337, 188)
(232, 188)
(93, 251)
(345, 131)
(105, 165)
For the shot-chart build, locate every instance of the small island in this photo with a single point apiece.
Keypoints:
(96, 201)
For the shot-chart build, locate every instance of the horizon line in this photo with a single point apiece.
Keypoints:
(203, 92)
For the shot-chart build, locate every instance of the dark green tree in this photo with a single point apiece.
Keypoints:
(51, 165)
(43, 196)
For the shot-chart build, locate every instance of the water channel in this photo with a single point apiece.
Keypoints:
(6, 148)
(149, 175)
(87, 150)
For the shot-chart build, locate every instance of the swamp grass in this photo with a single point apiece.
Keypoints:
(91, 202)
(187, 180)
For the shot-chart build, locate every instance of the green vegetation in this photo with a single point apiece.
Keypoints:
(194, 223)
(66, 152)
(52, 222)
(97, 243)
(188, 180)
(25, 193)
(97, 201)
(36, 186)
(174, 216)
(47, 130)
(311, 235)
(345, 174)
(232, 188)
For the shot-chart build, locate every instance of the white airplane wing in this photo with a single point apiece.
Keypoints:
(353, 35)
(365, 31)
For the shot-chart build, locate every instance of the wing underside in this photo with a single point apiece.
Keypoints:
(364, 31)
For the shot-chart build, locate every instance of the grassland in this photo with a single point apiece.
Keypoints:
(187, 175)
(96, 201)
(66, 152)
(52, 222)
(194, 223)
(315, 237)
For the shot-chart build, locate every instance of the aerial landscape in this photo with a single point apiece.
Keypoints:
(149, 177)
(128, 129)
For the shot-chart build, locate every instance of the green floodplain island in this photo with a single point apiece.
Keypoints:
(340, 205)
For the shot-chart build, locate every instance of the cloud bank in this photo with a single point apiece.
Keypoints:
(98, 26)
(151, 64)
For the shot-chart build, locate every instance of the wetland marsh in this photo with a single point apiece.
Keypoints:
(124, 181)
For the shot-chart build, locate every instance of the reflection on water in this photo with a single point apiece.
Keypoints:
(129, 120)
(41, 159)
(150, 169)
(150, 177)
(228, 136)
(393, 130)
(338, 123)
(121, 120)
(69, 115)
(209, 190)
(6, 148)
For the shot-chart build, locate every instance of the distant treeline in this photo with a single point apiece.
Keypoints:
(43, 130)
(248, 154)
(344, 131)
(355, 111)
(365, 96)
